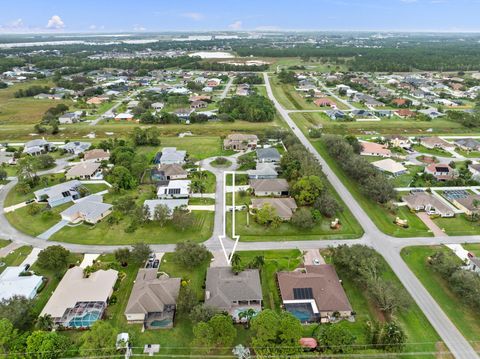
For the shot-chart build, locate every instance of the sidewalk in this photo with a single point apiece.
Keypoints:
(436, 230)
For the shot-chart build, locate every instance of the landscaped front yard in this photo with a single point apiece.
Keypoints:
(110, 234)
(464, 318)
(15, 257)
(458, 226)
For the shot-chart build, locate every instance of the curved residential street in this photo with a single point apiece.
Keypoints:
(389, 247)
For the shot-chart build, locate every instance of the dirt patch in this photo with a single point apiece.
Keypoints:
(442, 351)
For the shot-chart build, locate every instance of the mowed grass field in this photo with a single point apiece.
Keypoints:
(25, 110)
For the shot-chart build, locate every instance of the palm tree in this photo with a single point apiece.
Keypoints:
(258, 261)
(247, 314)
(236, 260)
(45, 322)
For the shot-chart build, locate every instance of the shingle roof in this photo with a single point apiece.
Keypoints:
(269, 185)
(152, 294)
(327, 291)
(223, 286)
(268, 153)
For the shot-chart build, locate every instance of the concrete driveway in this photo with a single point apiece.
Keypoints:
(310, 255)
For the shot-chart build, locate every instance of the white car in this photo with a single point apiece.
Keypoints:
(316, 261)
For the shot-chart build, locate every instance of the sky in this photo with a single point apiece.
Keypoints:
(24, 16)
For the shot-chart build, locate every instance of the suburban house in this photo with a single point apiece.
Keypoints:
(79, 301)
(70, 117)
(270, 187)
(469, 204)
(405, 113)
(263, 171)
(158, 106)
(76, 147)
(123, 117)
(423, 201)
(270, 154)
(37, 147)
(375, 149)
(441, 172)
(153, 299)
(232, 292)
(467, 144)
(174, 189)
(90, 209)
(183, 113)
(324, 102)
(172, 171)
(390, 166)
(475, 170)
(59, 194)
(198, 104)
(96, 155)
(96, 100)
(171, 204)
(170, 155)
(335, 114)
(240, 142)
(314, 294)
(85, 171)
(284, 207)
(14, 283)
(474, 264)
(398, 141)
(435, 142)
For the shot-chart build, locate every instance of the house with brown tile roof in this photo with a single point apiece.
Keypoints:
(314, 294)
(96, 155)
(375, 149)
(441, 172)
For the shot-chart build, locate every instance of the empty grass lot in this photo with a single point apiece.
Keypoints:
(25, 110)
(111, 234)
(464, 318)
(287, 232)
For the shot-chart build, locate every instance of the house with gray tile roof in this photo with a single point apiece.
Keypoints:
(153, 299)
(76, 147)
(232, 292)
(270, 154)
(59, 194)
(90, 209)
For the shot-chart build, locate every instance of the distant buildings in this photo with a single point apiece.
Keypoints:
(240, 142)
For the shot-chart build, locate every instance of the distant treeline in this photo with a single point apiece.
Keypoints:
(423, 56)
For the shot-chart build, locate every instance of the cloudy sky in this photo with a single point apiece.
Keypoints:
(168, 15)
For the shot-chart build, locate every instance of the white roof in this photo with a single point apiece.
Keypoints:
(56, 190)
(11, 283)
(389, 165)
(124, 115)
(90, 208)
(74, 287)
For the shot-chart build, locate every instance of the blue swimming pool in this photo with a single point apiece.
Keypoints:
(164, 323)
(301, 311)
(86, 320)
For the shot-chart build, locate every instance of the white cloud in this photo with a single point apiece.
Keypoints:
(139, 28)
(237, 25)
(55, 22)
(193, 15)
(16, 24)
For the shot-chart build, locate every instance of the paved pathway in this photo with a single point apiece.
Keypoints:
(227, 88)
(459, 251)
(9, 248)
(432, 226)
(52, 230)
(32, 257)
(88, 259)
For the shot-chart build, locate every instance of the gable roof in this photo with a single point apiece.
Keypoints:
(83, 169)
(283, 206)
(13, 283)
(268, 153)
(152, 294)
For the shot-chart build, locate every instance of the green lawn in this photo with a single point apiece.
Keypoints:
(16, 257)
(275, 261)
(36, 224)
(468, 154)
(106, 234)
(431, 151)
(15, 197)
(464, 318)
(4, 242)
(196, 201)
(210, 181)
(222, 163)
(421, 337)
(95, 187)
(405, 179)
(382, 217)
(287, 232)
(458, 226)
